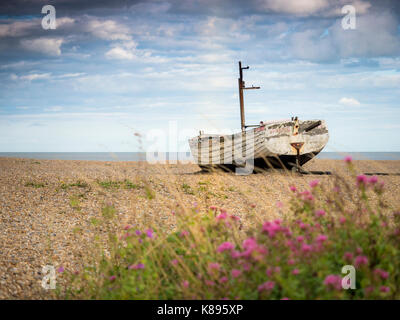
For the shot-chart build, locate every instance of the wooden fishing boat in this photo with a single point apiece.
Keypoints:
(283, 143)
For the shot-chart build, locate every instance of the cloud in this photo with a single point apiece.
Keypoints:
(48, 46)
(19, 65)
(324, 8)
(18, 28)
(119, 53)
(307, 45)
(301, 7)
(108, 30)
(71, 75)
(32, 76)
(64, 21)
(150, 8)
(54, 109)
(350, 102)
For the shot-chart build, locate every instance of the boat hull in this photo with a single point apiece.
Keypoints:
(273, 144)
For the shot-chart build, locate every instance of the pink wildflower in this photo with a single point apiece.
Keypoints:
(348, 159)
(333, 281)
(126, 235)
(210, 283)
(112, 278)
(360, 261)
(314, 183)
(236, 273)
(246, 266)
(369, 290)
(174, 262)
(249, 245)
(127, 227)
(384, 289)
(149, 233)
(271, 227)
(225, 246)
(136, 266)
(302, 225)
(251, 248)
(320, 213)
(382, 273)
(300, 238)
(184, 233)
(235, 254)
(223, 279)
(214, 208)
(138, 232)
(60, 269)
(321, 238)
(295, 271)
(285, 298)
(361, 180)
(373, 180)
(306, 247)
(222, 216)
(348, 256)
(287, 231)
(214, 266)
(342, 220)
(266, 286)
(293, 188)
(185, 283)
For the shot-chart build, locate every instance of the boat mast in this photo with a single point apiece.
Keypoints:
(241, 100)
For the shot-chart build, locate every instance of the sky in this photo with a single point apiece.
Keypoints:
(125, 76)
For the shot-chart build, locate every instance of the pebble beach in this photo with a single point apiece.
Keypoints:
(47, 207)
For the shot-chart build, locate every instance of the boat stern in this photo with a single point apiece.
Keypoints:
(295, 137)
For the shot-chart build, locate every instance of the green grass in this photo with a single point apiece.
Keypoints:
(130, 185)
(35, 184)
(187, 189)
(108, 212)
(150, 194)
(110, 184)
(74, 203)
(78, 183)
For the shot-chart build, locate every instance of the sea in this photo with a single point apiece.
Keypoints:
(142, 156)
